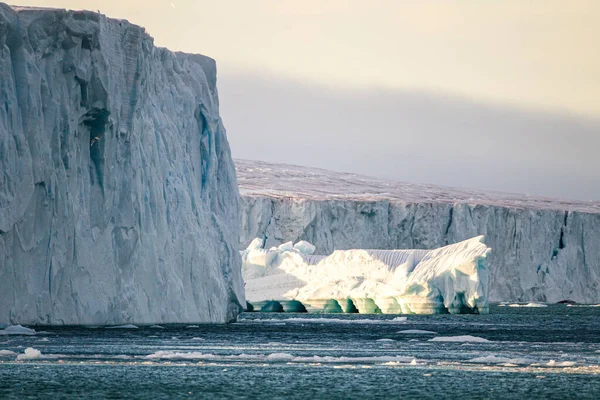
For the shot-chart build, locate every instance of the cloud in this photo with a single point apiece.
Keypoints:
(412, 136)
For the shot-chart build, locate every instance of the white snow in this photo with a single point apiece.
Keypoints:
(304, 247)
(30, 354)
(541, 247)
(118, 194)
(17, 330)
(7, 353)
(459, 339)
(395, 281)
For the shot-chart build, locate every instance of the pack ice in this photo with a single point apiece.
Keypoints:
(451, 279)
(544, 250)
(118, 194)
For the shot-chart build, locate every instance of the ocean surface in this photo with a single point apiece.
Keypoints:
(514, 352)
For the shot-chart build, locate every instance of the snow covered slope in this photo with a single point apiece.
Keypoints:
(543, 249)
(118, 195)
(451, 279)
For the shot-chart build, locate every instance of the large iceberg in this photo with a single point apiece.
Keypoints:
(451, 279)
(545, 250)
(118, 194)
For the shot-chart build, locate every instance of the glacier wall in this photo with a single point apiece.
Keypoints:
(118, 194)
(541, 251)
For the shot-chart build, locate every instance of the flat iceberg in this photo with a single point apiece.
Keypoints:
(16, 330)
(460, 339)
(451, 279)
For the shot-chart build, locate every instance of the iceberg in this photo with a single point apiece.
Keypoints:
(30, 354)
(450, 279)
(17, 330)
(545, 250)
(118, 194)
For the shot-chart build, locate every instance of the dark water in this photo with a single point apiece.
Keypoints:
(551, 352)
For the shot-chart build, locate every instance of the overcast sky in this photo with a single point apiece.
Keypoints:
(500, 95)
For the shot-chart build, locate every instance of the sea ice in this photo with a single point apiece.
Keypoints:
(460, 339)
(416, 332)
(494, 359)
(453, 278)
(6, 353)
(534, 305)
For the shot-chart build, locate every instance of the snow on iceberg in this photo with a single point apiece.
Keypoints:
(451, 279)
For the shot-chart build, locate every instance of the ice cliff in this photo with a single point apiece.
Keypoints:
(543, 249)
(118, 194)
(451, 279)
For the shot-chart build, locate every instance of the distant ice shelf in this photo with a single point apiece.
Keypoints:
(450, 279)
(544, 250)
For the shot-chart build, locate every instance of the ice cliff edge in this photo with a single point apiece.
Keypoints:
(118, 194)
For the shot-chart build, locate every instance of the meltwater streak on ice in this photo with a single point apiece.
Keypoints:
(452, 279)
(529, 353)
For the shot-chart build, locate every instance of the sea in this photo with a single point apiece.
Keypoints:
(514, 352)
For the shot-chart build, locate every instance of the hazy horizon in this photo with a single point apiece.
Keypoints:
(483, 95)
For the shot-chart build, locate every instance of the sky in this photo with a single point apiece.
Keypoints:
(484, 94)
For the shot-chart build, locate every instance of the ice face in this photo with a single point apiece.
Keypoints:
(545, 250)
(118, 194)
(451, 279)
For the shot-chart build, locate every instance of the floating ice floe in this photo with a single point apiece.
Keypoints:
(30, 354)
(553, 363)
(494, 359)
(7, 353)
(451, 279)
(528, 305)
(277, 357)
(460, 339)
(416, 332)
(127, 326)
(17, 330)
